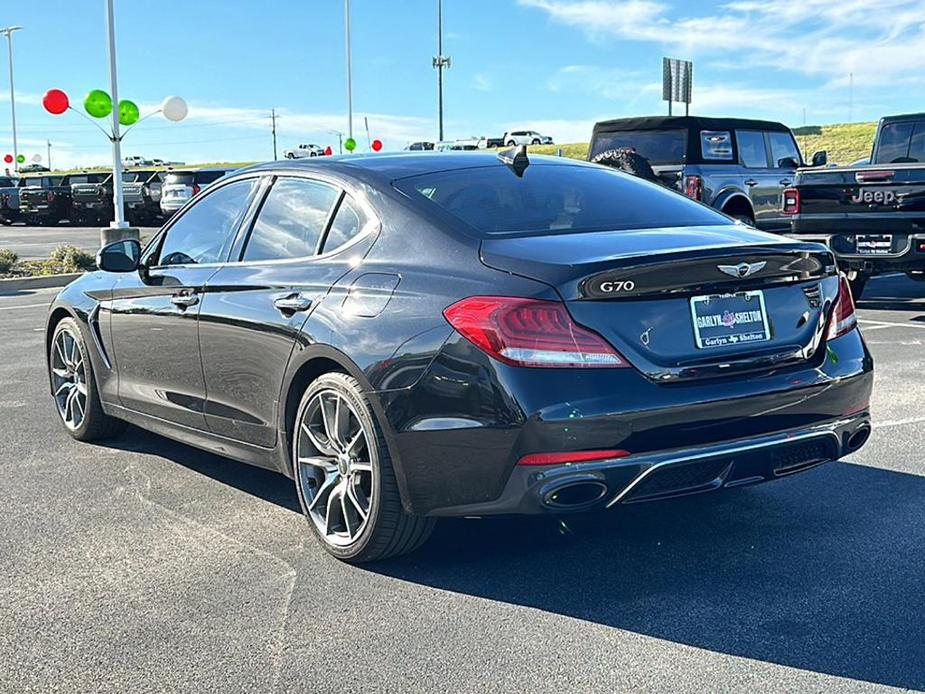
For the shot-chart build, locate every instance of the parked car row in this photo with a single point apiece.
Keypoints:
(870, 214)
(86, 198)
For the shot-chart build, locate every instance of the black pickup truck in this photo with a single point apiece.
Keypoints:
(91, 198)
(44, 198)
(871, 216)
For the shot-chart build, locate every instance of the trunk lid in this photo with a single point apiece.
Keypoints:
(646, 291)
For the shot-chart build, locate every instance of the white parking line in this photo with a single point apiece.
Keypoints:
(899, 422)
(888, 324)
(11, 308)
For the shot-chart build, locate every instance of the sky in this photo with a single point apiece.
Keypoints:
(555, 66)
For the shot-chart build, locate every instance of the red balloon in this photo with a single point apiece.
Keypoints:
(377, 145)
(55, 102)
(8, 158)
(328, 151)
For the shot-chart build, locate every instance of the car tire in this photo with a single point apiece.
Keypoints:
(627, 161)
(69, 363)
(535, 142)
(337, 477)
(511, 143)
(290, 155)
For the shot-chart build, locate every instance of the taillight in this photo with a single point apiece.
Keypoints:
(791, 201)
(844, 319)
(572, 457)
(693, 187)
(527, 332)
(50, 196)
(196, 189)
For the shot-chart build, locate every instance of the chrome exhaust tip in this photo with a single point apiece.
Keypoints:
(575, 494)
(858, 438)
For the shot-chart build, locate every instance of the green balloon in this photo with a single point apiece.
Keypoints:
(21, 158)
(350, 144)
(98, 103)
(128, 112)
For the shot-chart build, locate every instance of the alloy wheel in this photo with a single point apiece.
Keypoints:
(69, 379)
(334, 467)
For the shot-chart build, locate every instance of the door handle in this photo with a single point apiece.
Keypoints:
(785, 181)
(184, 300)
(293, 303)
(751, 182)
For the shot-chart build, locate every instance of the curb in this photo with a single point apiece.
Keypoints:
(17, 284)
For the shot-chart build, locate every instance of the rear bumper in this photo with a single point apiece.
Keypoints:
(907, 251)
(667, 474)
(458, 433)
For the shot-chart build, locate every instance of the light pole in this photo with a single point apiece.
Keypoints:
(9, 38)
(349, 70)
(440, 63)
(117, 197)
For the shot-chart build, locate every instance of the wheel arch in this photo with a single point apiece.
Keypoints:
(734, 202)
(305, 367)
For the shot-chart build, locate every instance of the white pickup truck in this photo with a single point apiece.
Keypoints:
(303, 151)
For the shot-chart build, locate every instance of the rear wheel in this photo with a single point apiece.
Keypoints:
(511, 143)
(74, 387)
(535, 142)
(344, 476)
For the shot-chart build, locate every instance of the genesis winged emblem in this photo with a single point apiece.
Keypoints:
(742, 269)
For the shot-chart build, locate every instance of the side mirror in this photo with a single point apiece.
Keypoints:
(788, 163)
(119, 256)
(820, 158)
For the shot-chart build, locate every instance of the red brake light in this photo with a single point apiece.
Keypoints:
(791, 201)
(196, 189)
(573, 457)
(693, 187)
(526, 332)
(50, 196)
(843, 319)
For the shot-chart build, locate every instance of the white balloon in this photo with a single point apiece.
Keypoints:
(174, 109)
(36, 158)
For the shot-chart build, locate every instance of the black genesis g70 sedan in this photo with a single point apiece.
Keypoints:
(461, 334)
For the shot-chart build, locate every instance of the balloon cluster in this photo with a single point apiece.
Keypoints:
(20, 159)
(99, 104)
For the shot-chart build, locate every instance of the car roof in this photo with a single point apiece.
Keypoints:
(388, 167)
(903, 116)
(686, 123)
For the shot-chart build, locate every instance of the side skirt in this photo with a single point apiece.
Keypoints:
(269, 458)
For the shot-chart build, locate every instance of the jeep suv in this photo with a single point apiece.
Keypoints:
(738, 166)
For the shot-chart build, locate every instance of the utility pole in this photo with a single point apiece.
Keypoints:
(273, 118)
(48, 145)
(349, 70)
(440, 62)
(8, 32)
(119, 209)
(850, 97)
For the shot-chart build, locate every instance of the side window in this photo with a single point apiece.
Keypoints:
(752, 153)
(917, 144)
(205, 232)
(716, 144)
(291, 220)
(893, 143)
(783, 147)
(349, 221)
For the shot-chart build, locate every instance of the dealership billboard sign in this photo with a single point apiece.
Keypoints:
(677, 80)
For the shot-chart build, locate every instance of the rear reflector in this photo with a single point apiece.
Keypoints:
(844, 319)
(572, 457)
(791, 198)
(693, 187)
(527, 332)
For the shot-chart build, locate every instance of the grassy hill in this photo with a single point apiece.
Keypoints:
(845, 142)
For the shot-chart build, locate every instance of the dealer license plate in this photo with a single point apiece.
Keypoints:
(722, 320)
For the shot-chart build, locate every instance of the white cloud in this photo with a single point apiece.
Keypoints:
(482, 82)
(873, 39)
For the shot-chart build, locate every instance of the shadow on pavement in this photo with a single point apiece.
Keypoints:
(264, 484)
(823, 572)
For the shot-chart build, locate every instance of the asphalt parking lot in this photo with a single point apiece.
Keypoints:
(34, 243)
(146, 565)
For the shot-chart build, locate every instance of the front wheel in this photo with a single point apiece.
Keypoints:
(344, 476)
(511, 143)
(535, 142)
(74, 388)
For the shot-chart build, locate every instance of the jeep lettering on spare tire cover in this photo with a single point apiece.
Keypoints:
(626, 159)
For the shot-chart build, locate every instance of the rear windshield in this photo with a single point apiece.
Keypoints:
(658, 146)
(87, 178)
(902, 142)
(555, 199)
(41, 181)
(188, 178)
